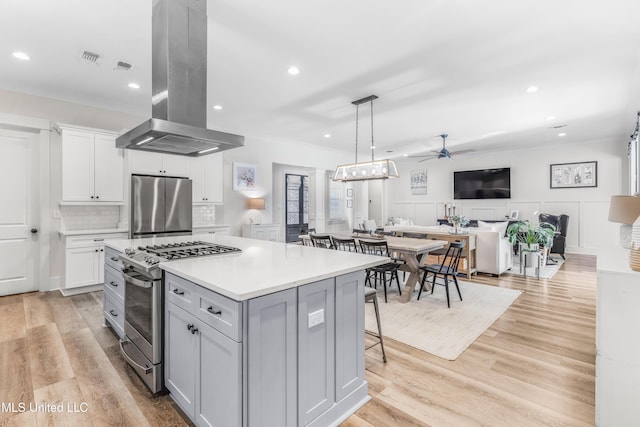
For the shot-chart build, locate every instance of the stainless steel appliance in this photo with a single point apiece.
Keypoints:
(179, 64)
(160, 206)
(142, 345)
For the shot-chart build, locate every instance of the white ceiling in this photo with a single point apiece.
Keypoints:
(459, 67)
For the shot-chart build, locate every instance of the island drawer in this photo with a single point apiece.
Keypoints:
(180, 292)
(114, 314)
(219, 312)
(111, 258)
(114, 281)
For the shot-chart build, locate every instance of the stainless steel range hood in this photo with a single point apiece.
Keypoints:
(179, 86)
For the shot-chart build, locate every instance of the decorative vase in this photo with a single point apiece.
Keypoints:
(456, 227)
(533, 247)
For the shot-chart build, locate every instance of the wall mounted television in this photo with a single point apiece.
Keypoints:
(482, 184)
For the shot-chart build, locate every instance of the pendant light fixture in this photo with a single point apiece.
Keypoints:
(375, 169)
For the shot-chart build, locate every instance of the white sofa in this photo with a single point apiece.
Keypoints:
(494, 253)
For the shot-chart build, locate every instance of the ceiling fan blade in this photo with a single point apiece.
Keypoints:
(457, 153)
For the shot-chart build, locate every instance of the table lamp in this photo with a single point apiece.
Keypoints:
(255, 203)
(624, 210)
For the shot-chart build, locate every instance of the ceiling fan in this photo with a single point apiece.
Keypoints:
(444, 153)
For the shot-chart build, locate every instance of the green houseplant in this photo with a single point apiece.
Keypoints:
(531, 235)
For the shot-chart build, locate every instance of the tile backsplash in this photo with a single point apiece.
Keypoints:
(204, 215)
(89, 217)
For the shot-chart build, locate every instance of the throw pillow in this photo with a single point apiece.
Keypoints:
(482, 225)
(500, 227)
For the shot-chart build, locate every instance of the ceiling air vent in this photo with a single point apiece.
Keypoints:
(90, 57)
(122, 66)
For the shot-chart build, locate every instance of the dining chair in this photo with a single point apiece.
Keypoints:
(448, 268)
(380, 272)
(348, 245)
(411, 235)
(321, 241)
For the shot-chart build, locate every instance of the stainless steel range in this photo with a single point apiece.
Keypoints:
(142, 345)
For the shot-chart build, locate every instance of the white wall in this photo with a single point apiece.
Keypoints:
(530, 191)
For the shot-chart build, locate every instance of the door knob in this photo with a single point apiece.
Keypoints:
(34, 230)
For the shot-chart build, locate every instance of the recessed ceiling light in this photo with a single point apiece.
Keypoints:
(217, 107)
(561, 134)
(373, 147)
(389, 151)
(293, 70)
(532, 89)
(405, 155)
(134, 85)
(550, 117)
(21, 55)
(327, 135)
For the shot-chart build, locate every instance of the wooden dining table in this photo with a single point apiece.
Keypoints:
(413, 251)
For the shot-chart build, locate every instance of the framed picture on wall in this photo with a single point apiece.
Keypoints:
(419, 181)
(514, 214)
(349, 203)
(349, 192)
(574, 175)
(244, 176)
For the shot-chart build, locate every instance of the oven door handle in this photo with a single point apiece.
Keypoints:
(141, 283)
(145, 369)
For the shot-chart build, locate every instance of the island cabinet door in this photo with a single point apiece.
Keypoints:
(219, 382)
(181, 346)
(272, 360)
(349, 333)
(316, 350)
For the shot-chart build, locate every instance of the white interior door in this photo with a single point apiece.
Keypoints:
(19, 195)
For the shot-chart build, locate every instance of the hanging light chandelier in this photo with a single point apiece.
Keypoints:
(375, 169)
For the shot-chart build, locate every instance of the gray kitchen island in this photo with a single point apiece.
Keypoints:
(272, 335)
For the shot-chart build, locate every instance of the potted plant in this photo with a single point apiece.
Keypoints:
(458, 221)
(531, 236)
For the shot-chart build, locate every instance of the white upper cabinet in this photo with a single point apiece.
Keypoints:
(207, 176)
(92, 167)
(149, 163)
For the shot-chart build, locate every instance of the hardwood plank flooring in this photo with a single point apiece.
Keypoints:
(535, 366)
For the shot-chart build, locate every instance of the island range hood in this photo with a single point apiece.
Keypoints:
(179, 86)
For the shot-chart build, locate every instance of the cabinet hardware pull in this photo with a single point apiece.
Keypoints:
(98, 240)
(92, 197)
(114, 259)
(97, 197)
(194, 330)
(217, 312)
(178, 292)
(113, 313)
(101, 250)
(96, 250)
(114, 284)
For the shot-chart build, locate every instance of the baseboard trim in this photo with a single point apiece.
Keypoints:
(81, 290)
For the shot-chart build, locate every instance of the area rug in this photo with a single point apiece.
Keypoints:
(547, 271)
(430, 326)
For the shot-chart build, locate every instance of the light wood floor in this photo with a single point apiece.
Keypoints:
(535, 366)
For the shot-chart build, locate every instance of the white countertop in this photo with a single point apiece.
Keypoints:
(261, 268)
(95, 231)
(614, 259)
(211, 226)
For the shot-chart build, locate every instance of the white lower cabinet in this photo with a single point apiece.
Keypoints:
(262, 231)
(84, 261)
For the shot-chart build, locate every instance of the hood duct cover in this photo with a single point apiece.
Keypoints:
(179, 86)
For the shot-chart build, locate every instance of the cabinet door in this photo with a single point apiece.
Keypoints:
(144, 162)
(218, 382)
(349, 333)
(198, 177)
(213, 191)
(272, 360)
(109, 169)
(271, 234)
(77, 166)
(173, 165)
(316, 351)
(82, 267)
(180, 350)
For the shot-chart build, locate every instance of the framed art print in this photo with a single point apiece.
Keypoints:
(574, 175)
(244, 176)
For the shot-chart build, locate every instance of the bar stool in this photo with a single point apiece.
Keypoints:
(371, 296)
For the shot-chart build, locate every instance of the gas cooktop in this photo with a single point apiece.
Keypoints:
(146, 257)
